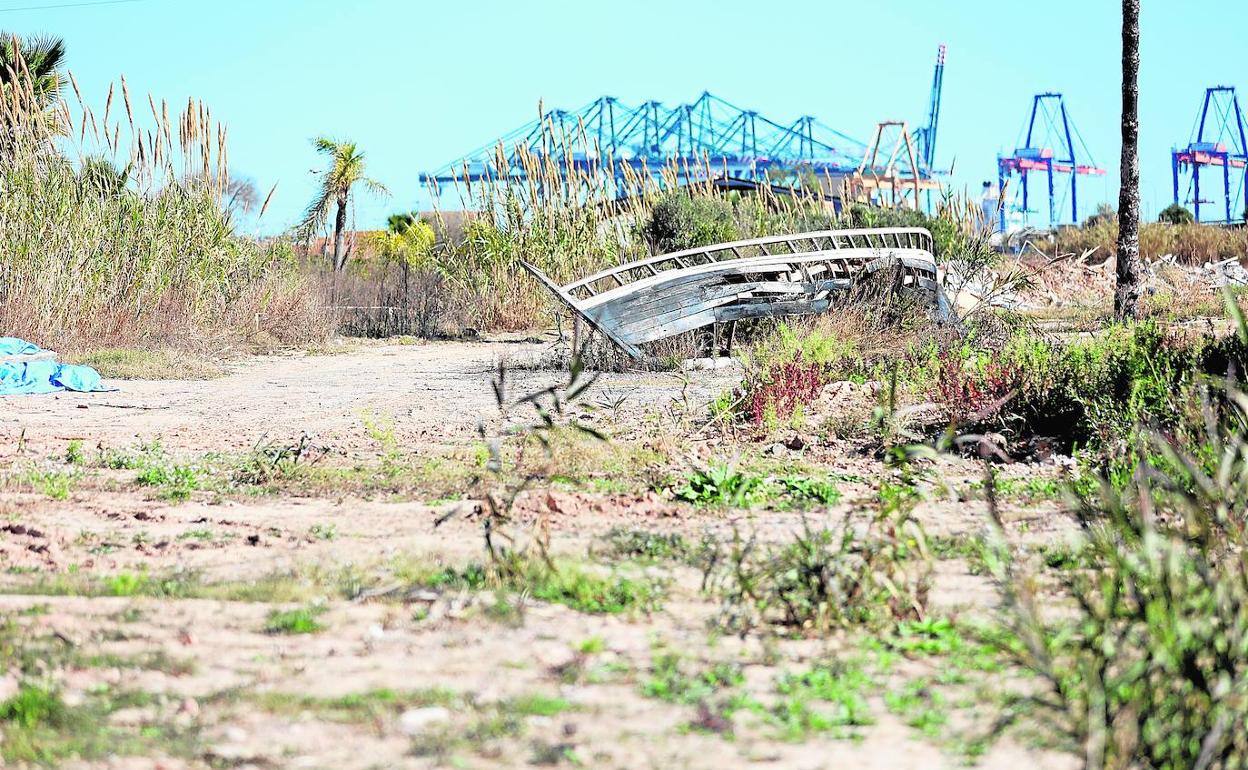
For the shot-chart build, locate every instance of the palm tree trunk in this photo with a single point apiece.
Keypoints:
(1127, 296)
(340, 232)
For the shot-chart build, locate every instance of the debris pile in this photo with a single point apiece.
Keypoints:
(1084, 280)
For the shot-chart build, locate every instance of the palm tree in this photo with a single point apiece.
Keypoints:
(1127, 296)
(41, 57)
(338, 183)
(101, 176)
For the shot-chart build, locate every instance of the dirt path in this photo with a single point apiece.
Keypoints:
(435, 392)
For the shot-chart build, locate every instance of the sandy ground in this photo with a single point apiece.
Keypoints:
(436, 392)
(218, 664)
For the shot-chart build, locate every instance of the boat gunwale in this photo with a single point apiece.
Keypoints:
(921, 259)
(764, 241)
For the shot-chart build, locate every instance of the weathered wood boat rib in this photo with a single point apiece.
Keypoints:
(665, 295)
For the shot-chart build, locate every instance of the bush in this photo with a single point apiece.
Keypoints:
(1093, 392)
(823, 580)
(1174, 214)
(682, 221)
(973, 389)
(1152, 669)
(1192, 243)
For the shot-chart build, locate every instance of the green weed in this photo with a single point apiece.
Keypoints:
(825, 699)
(721, 485)
(173, 482)
(672, 680)
(304, 620)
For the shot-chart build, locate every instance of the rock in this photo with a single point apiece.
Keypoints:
(416, 721)
(796, 442)
(190, 707)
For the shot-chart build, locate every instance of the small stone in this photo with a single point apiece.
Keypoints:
(416, 721)
(190, 707)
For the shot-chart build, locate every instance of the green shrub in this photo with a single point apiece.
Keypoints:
(672, 680)
(1094, 392)
(1175, 214)
(33, 707)
(1152, 669)
(175, 482)
(825, 699)
(721, 485)
(567, 584)
(682, 221)
(303, 620)
(823, 580)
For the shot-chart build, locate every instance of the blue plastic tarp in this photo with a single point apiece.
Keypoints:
(12, 346)
(19, 378)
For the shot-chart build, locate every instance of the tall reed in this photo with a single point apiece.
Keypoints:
(113, 230)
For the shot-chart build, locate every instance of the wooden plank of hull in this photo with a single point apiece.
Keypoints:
(692, 299)
(730, 312)
(628, 347)
(630, 322)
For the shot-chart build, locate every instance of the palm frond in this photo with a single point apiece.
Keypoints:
(317, 213)
(44, 54)
(325, 146)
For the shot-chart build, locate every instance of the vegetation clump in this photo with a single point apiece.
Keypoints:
(152, 254)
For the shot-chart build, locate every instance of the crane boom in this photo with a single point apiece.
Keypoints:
(933, 113)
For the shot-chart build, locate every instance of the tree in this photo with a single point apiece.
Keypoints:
(1105, 214)
(39, 58)
(338, 184)
(1127, 296)
(1174, 214)
(241, 198)
(407, 242)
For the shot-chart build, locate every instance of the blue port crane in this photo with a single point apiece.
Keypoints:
(1052, 146)
(1218, 140)
(926, 136)
(709, 133)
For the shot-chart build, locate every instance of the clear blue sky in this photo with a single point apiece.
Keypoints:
(419, 83)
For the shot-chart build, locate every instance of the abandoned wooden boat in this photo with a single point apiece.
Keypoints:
(662, 296)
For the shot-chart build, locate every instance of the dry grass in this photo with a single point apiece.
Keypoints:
(1192, 243)
(113, 233)
(134, 364)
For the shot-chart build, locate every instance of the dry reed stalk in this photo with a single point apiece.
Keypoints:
(152, 259)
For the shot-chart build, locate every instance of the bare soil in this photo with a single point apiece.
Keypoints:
(441, 677)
